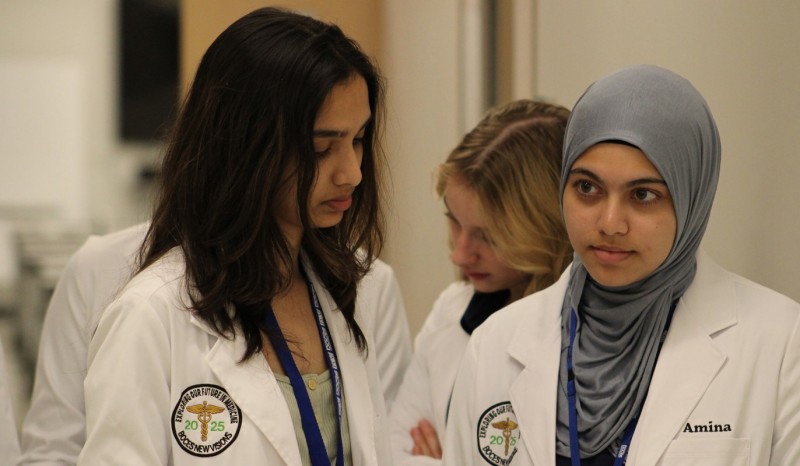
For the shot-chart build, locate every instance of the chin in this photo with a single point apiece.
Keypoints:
(612, 280)
(328, 221)
(484, 288)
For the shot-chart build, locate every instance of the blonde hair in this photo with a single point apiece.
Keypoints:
(512, 160)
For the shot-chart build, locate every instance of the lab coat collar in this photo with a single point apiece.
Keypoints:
(707, 308)
(255, 390)
(536, 345)
(253, 387)
(360, 410)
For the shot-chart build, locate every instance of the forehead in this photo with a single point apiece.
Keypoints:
(615, 160)
(346, 106)
(463, 202)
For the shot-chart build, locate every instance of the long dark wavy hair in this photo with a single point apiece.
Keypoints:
(247, 120)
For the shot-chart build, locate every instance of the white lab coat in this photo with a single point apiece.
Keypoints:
(429, 379)
(379, 297)
(148, 350)
(725, 391)
(92, 278)
(9, 443)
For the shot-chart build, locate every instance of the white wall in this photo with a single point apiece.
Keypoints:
(743, 57)
(421, 63)
(59, 150)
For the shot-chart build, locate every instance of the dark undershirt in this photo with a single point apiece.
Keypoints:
(481, 306)
(603, 459)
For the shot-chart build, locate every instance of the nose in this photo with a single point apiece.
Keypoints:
(348, 170)
(465, 251)
(613, 219)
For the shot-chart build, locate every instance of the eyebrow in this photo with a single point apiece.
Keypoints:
(337, 133)
(637, 182)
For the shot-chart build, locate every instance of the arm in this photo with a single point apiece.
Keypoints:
(8, 430)
(413, 404)
(426, 441)
(381, 298)
(127, 387)
(422, 398)
(54, 428)
(459, 441)
(785, 443)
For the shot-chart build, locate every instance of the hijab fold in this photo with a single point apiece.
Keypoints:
(619, 328)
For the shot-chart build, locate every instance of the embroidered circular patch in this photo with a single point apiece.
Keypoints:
(498, 434)
(205, 420)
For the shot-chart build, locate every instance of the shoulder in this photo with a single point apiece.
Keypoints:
(752, 295)
(163, 284)
(122, 242)
(99, 268)
(153, 304)
(532, 311)
(108, 256)
(746, 297)
(378, 283)
(737, 311)
(380, 272)
(114, 253)
(449, 306)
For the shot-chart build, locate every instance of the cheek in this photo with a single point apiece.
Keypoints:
(574, 217)
(662, 236)
(499, 267)
(667, 235)
(324, 172)
(453, 227)
(574, 224)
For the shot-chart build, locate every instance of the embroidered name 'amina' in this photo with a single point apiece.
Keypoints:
(710, 427)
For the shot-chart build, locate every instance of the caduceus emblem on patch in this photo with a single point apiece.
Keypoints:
(205, 413)
(205, 420)
(498, 434)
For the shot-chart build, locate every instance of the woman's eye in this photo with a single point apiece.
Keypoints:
(585, 187)
(322, 152)
(644, 195)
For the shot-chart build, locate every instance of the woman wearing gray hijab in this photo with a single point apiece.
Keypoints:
(645, 352)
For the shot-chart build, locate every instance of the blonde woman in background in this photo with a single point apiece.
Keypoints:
(500, 191)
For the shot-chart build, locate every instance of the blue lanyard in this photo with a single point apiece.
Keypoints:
(316, 446)
(574, 446)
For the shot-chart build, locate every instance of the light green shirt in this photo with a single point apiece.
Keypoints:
(323, 401)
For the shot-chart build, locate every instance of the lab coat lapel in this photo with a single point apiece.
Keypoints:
(352, 368)
(707, 307)
(533, 393)
(253, 387)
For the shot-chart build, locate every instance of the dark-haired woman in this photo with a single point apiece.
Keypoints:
(238, 340)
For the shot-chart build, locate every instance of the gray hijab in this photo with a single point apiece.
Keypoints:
(619, 328)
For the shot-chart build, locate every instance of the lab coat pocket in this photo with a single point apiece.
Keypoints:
(707, 452)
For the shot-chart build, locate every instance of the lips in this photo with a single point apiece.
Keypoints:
(611, 254)
(477, 276)
(340, 203)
